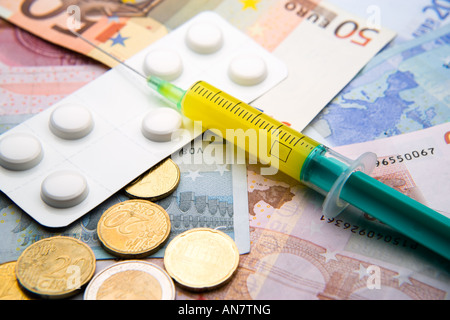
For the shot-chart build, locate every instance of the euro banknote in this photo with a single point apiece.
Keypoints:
(403, 89)
(107, 23)
(297, 253)
(417, 18)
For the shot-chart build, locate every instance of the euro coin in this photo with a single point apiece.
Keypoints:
(9, 287)
(133, 228)
(56, 267)
(157, 183)
(201, 259)
(131, 280)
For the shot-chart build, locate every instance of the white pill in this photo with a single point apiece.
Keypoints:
(159, 124)
(64, 189)
(204, 38)
(247, 69)
(71, 121)
(163, 63)
(20, 151)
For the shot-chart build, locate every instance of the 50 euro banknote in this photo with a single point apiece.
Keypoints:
(323, 46)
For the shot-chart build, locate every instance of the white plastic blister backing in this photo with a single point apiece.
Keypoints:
(62, 169)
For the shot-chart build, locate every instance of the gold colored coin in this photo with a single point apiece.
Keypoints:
(157, 183)
(56, 267)
(9, 287)
(131, 280)
(134, 228)
(201, 259)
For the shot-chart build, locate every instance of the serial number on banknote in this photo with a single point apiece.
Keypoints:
(408, 156)
(370, 234)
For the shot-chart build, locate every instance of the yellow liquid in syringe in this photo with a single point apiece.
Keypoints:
(276, 143)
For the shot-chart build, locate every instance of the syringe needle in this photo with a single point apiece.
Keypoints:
(165, 88)
(107, 53)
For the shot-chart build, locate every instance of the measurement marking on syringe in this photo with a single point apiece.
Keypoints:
(287, 138)
(242, 112)
(255, 117)
(198, 87)
(235, 106)
(215, 95)
(277, 129)
(298, 141)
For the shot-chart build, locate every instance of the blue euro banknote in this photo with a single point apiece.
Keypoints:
(403, 89)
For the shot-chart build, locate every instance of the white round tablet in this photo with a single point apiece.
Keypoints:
(247, 69)
(64, 189)
(163, 63)
(20, 151)
(71, 121)
(159, 124)
(204, 38)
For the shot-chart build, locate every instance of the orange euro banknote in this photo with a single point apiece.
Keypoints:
(118, 27)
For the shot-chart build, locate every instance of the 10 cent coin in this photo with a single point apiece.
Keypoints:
(157, 183)
(201, 258)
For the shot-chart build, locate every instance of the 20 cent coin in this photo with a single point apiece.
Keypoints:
(133, 228)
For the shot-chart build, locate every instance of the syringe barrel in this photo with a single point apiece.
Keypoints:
(273, 142)
(327, 171)
(263, 137)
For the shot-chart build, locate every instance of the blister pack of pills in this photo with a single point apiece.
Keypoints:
(63, 162)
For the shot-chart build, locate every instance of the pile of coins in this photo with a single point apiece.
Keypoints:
(60, 267)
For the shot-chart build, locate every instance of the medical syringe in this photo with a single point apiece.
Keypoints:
(342, 181)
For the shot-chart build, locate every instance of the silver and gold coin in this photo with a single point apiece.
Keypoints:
(157, 183)
(9, 287)
(56, 267)
(133, 228)
(201, 259)
(131, 280)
